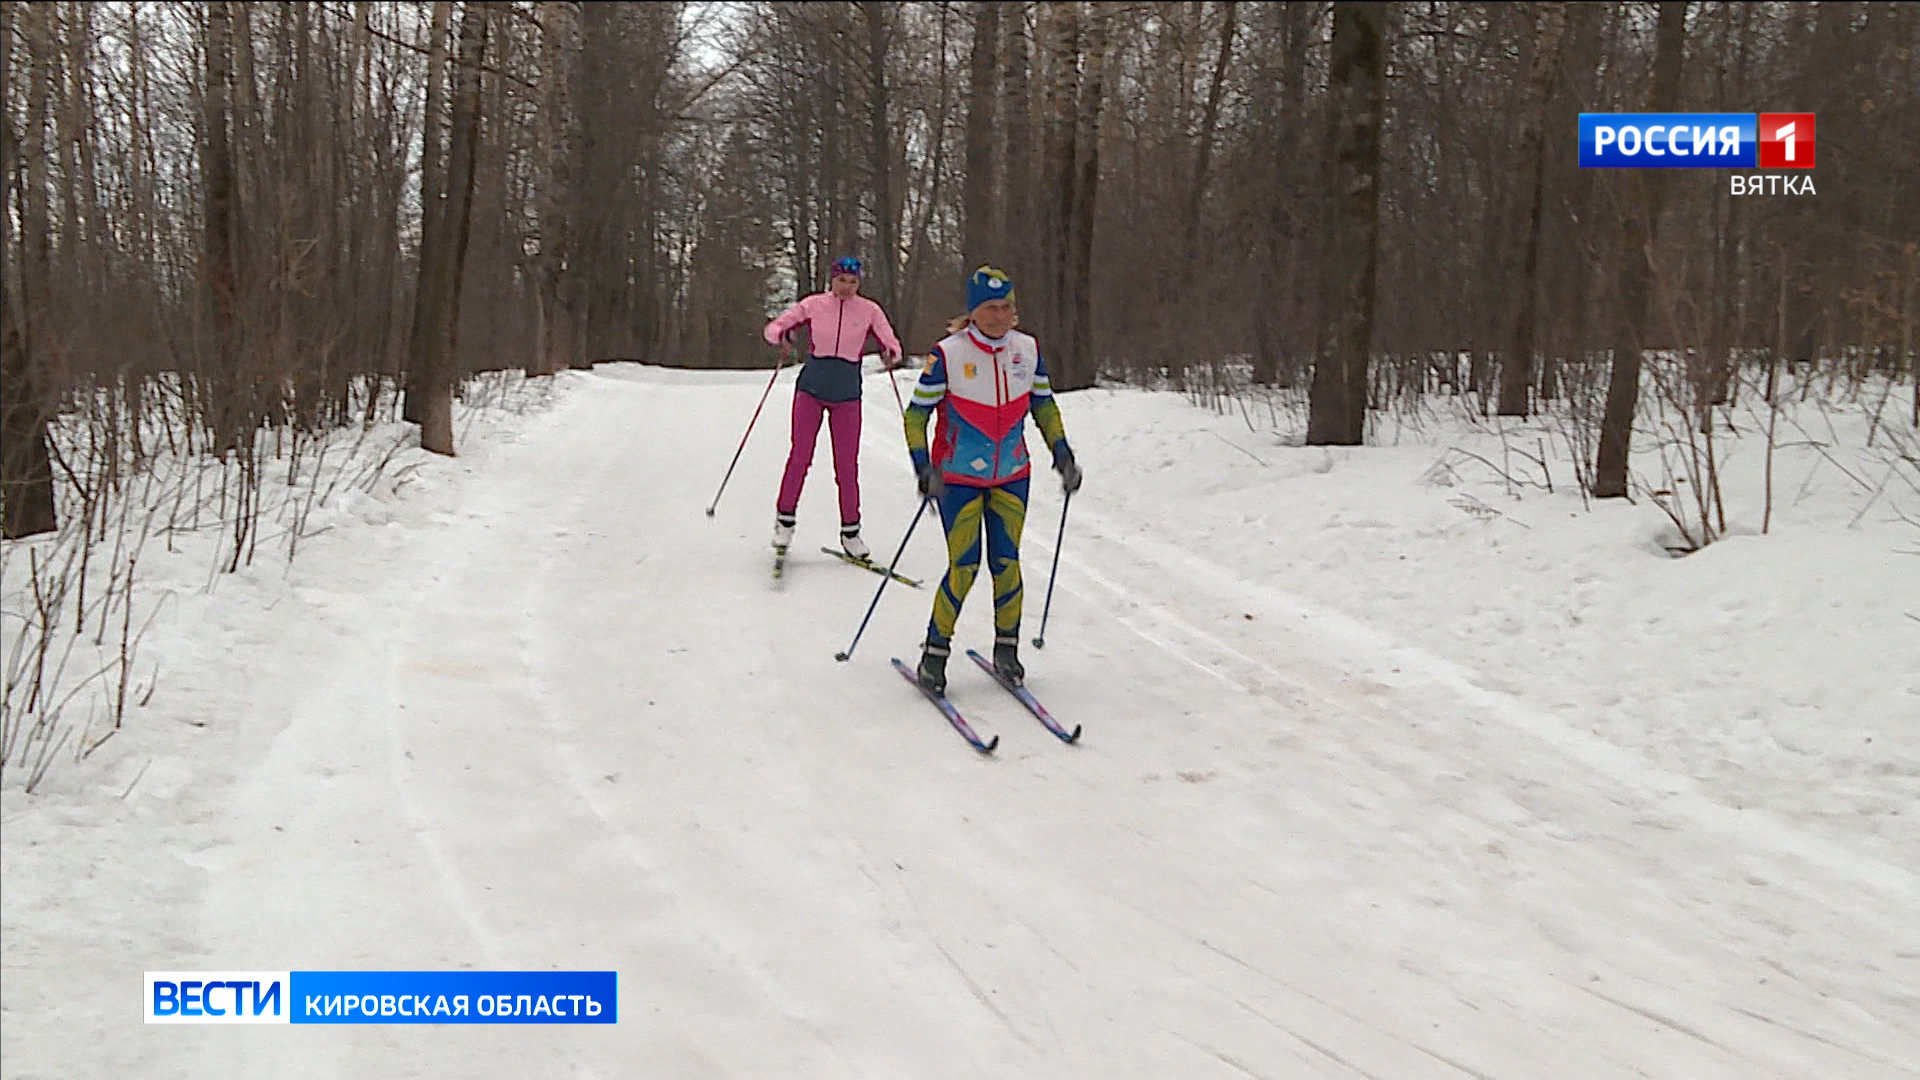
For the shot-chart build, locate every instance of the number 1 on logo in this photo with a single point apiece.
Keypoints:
(1787, 141)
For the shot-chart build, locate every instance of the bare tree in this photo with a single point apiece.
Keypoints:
(26, 470)
(1516, 375)
(1018, 233)
(1279, 149)
(880, 19)
(443, 244)
(433, 194)
(557, 309)
(218, 268)
(982, 94)
(1075, 51)
(1080, 354)
(1639, 205)
(1203, 152)
(1059, 31)
(1338, 405)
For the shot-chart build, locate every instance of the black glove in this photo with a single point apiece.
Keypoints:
(1068, 469)
(931, 485)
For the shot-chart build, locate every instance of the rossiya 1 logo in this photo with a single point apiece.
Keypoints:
(1706, 141)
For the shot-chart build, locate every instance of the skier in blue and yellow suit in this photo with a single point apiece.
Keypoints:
(984, 378)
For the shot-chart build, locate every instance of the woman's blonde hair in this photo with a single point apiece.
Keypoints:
(959, 322)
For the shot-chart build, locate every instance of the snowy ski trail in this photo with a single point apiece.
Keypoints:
(592, 735)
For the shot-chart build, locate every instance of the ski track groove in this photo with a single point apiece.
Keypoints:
(1816, 1037)
(1669, 1022)
(1222, 1057)
(1618, 764)
(1647, 804)
(445, 865)
(1324, 1004)
(981, 995)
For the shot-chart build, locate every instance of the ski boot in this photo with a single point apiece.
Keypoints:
(851, 543)
(782, 536)
(1006, 660)
(933, 668)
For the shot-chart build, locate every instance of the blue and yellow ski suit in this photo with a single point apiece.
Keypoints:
(983, 391)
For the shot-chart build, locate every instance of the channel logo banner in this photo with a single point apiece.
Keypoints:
(1668, 140)
(217, 997)
(382, 997)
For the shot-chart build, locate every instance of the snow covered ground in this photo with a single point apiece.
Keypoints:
(1387, 772)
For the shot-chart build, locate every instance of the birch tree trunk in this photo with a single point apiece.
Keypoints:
(433, 187)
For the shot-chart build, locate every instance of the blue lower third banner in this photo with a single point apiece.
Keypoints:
(1668, 140)
(382, 997)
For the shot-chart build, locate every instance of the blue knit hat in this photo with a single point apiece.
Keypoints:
(987, 284)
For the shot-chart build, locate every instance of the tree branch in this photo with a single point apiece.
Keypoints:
(423, 50)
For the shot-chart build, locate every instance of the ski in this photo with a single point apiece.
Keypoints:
(779, 562)
(1026, 697)
(869, 564)
(946, 709)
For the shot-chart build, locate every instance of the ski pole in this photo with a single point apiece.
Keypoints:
(896, 388)
(1040, 642)
(777, 367)
(885, 581)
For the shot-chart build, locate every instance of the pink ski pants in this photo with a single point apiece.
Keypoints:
(844, 419)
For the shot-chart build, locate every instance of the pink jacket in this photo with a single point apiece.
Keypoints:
(837, 327)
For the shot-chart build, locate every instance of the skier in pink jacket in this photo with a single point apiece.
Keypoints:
(838, 322)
